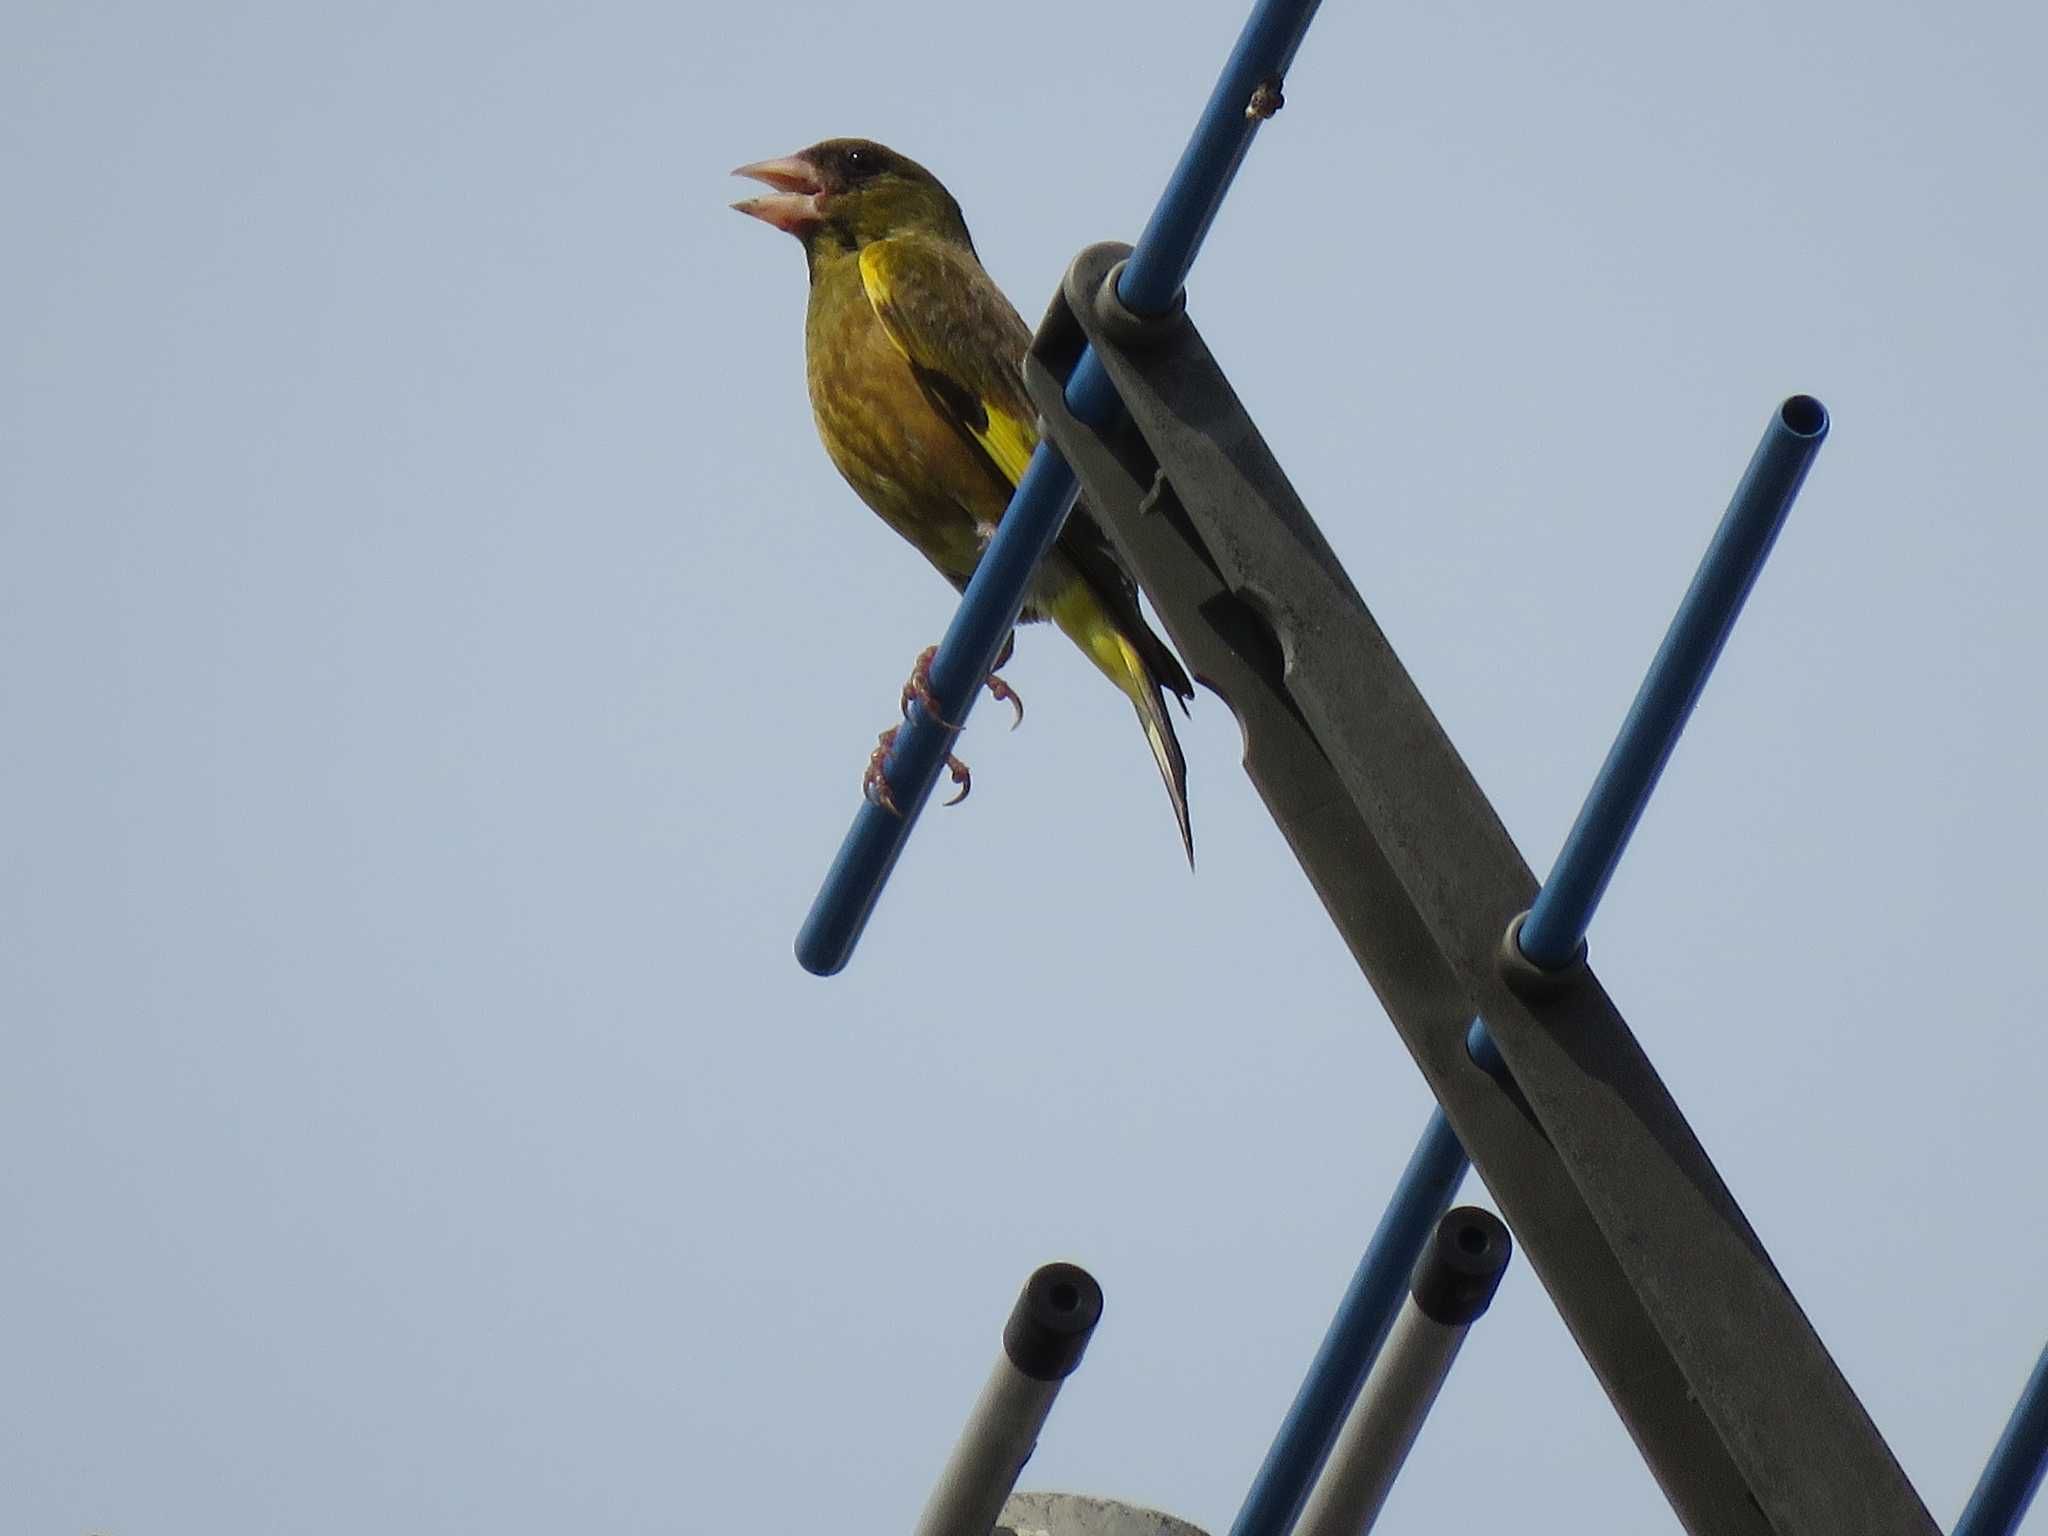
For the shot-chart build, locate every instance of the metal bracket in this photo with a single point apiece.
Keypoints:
(1734, 1402)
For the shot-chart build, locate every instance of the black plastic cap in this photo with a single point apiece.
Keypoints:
(1459, 1271)
(1049, 1328)
(1530, 981)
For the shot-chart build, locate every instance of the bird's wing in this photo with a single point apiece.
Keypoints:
(965, 344)
(962, 340)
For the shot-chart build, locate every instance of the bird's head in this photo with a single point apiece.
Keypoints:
(843, 193)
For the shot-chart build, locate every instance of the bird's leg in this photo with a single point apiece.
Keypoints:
(919, 688)
(874, 784)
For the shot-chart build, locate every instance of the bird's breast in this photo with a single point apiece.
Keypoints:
(895, 449)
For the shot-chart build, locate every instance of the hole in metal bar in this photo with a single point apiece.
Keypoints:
(1804, 415)
(1248, 633)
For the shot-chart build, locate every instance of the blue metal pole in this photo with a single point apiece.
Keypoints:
(1564, 909)
(2013, 1474)
(1046, 493)
(1428, 1185)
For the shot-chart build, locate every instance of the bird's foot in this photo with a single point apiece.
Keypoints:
(919, 690)
(874, 784)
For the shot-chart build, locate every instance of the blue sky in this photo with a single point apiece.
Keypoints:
(439, 662)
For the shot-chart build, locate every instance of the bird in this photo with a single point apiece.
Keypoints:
(914, 360)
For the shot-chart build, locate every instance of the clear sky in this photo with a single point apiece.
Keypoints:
(437, 663)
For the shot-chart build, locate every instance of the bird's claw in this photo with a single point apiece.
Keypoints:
(919, 690)
(998, 689)
(874, 783)
(961, 777)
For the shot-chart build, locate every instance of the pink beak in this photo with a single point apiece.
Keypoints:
(793, 205)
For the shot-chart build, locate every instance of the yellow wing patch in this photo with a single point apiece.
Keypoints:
(1007, 440)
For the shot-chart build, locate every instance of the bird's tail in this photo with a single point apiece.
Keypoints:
(1081, 616)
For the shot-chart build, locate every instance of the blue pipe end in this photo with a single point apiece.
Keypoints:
(1564, 909)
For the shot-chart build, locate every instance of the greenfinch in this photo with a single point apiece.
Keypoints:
(915, 364)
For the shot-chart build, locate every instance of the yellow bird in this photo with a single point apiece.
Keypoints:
(915, 361)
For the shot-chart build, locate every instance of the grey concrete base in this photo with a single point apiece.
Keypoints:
(1076, 1514)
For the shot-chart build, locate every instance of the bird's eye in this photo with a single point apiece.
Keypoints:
(856, 159)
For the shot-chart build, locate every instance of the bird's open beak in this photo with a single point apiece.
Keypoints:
(793, 205)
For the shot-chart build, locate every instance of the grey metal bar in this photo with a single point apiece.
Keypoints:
(1734, 1402)
(1042, 1344)
(1452, 1287)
